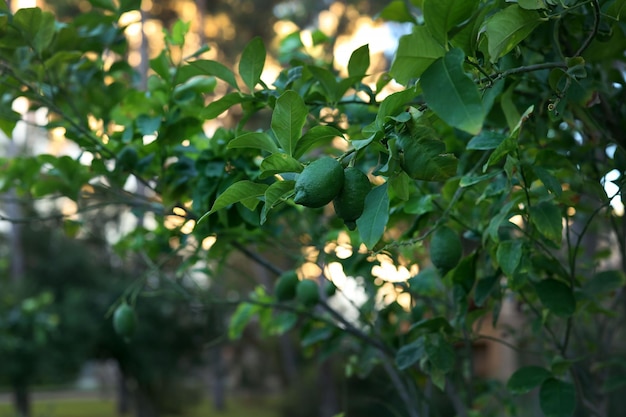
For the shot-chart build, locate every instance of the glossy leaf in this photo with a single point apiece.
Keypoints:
(219, 106)
(274, 195)
(288, 120)
(452, 95)
(252, 62)
(375, 215)
(416, 52)
(508, 27)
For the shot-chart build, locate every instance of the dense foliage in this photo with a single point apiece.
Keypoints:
(499, 124)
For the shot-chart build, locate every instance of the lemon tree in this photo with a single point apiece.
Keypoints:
(493, 149)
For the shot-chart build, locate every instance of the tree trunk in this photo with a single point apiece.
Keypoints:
(21, 400)
(144, 404)
(219, 378)
(328, 390)
(122, 393)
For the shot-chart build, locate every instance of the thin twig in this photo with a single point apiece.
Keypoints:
(594, 31)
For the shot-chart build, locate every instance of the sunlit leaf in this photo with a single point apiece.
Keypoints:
(396, 11)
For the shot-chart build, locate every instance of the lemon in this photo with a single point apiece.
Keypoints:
(350, 202)
(285, 288)
(124, 320)
(307, 292)
(319, 182)
(445, 249)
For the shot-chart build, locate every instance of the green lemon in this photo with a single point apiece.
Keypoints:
(319, 182)
(307, 292)
(350, 202)
(445, 249)
(124, 320)
(285, 288)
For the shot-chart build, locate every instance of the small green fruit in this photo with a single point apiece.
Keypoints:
(319, 182)
(307, 292)
(124, 320)
(285, 288)
(446, 249)
(350, 202)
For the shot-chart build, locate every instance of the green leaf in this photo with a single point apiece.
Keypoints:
(375, 215)
(359, 62)
(464, 274)
(434, 325)
(416, 52)
(240, 319)
(104, 4)
(397, 11)
(37, 26)
(328, 82)
(279, 163)
(275, 194)
(424, 157)
(255, 140)
(218, 107)
(442, 15)
(527, 378)
(616, 9)
(161, 65)
(483, 290)
(508, 27)
(556, 297)
(486, 140)
(128, 5)
(215, 69)
(288, 120)
(452, 95)
(557, 398)
(439, 352)
(392, 105)
(509, 255)
(548, 180)
(252, 62)
(238, 192)
(469, 180)
(315, 136)
(532, 4)
(410, 354)
(179, 31)
(604, 282)
(546, 216)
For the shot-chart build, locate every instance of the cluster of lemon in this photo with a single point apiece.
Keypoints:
(325, 180)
